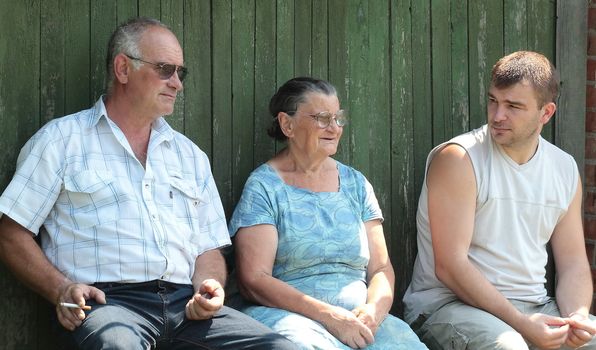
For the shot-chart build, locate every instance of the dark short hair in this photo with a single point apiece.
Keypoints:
(528, 66)
(291, 94)
(125, 39)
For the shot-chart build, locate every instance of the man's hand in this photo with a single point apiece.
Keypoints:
(581, 330)
(544, 331)
(367, 314)
(76, 293)
(206, 301)
(346, 327)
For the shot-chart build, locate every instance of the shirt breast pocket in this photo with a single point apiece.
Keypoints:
(187, 202)
(91, 198)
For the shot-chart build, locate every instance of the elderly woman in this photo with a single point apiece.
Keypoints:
(310, 250)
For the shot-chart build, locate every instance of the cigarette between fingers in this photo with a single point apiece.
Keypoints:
(75, 306)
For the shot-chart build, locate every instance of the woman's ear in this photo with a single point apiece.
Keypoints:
(285, 123)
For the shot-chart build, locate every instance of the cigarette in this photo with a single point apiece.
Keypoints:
(75, 306)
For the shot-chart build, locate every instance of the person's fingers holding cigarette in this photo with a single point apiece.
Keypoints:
(71, 307)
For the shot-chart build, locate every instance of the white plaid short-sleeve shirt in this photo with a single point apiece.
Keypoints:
(105, 218)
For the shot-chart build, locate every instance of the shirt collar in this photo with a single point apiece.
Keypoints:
(160, 126)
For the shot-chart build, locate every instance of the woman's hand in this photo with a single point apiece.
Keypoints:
(367, 314)
(345, 326)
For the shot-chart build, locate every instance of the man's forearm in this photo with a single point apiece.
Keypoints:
(474, 289)
(21, 253)
(574, 291)
(209, 265)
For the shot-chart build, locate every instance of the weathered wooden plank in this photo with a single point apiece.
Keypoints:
(571, 58)
(150, 8)
(198, 121)
(441, 71)
(126, 9)
(77, 60)
(357, 134)
(243, 61)
(52, 56)
(338, 66)
(320, 37)
(172, 14)
(265, 79)
(284, 46)
(402, 240)
(378, 111)
(515, 20)
(103, 22)
(303, 37)
(460, 100)
(20, 118)
(486, 47)
(222, 97)
(422, 88)
(541, 38)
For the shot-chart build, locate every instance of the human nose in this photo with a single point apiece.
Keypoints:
(175, 82)
(498, 113)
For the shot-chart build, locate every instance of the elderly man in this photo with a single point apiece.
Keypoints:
(491, 201)
(129, 215)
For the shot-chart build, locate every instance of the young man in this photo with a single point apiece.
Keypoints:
(491, 201)
(129, 215)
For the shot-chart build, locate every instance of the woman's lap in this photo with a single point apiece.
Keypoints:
(308, 334)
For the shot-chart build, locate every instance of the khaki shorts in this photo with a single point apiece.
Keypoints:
(458, 326)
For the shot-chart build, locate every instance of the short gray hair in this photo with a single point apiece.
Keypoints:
(125, 39)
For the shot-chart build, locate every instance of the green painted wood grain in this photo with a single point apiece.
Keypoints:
(20, 91)
(422, 87)
(460, 77)
(541, 38)
(411, 74)
(243, 59)
(265, 79)
(197, 44)
(303, 37)
(442, 116)
(222, 101)
(285, 33)
(401, 240)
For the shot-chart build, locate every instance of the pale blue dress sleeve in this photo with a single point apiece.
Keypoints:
(322, 251)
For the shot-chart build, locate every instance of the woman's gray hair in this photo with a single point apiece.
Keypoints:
(291, 94)
(125, 39)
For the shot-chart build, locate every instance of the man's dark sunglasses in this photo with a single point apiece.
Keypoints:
(165, 70)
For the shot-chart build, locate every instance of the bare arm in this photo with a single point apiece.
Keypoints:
(574, 281)
(208, 281)
(20, 252)
(451, 204)
(256, 247)
(380, 279)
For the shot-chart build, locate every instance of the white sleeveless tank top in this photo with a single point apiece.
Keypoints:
(517, 209)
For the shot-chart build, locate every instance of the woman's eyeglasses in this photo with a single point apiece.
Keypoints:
(324, 118)
(165, 70)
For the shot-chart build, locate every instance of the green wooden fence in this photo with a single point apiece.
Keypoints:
(412, 73)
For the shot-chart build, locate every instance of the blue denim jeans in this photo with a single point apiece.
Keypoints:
(151, 315)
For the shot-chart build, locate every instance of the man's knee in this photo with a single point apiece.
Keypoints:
(115, 335)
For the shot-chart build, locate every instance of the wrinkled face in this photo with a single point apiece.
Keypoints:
(305, 133)
(152, 94)
(514, 117)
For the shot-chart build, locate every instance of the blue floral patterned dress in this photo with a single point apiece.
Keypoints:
(322, 251)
